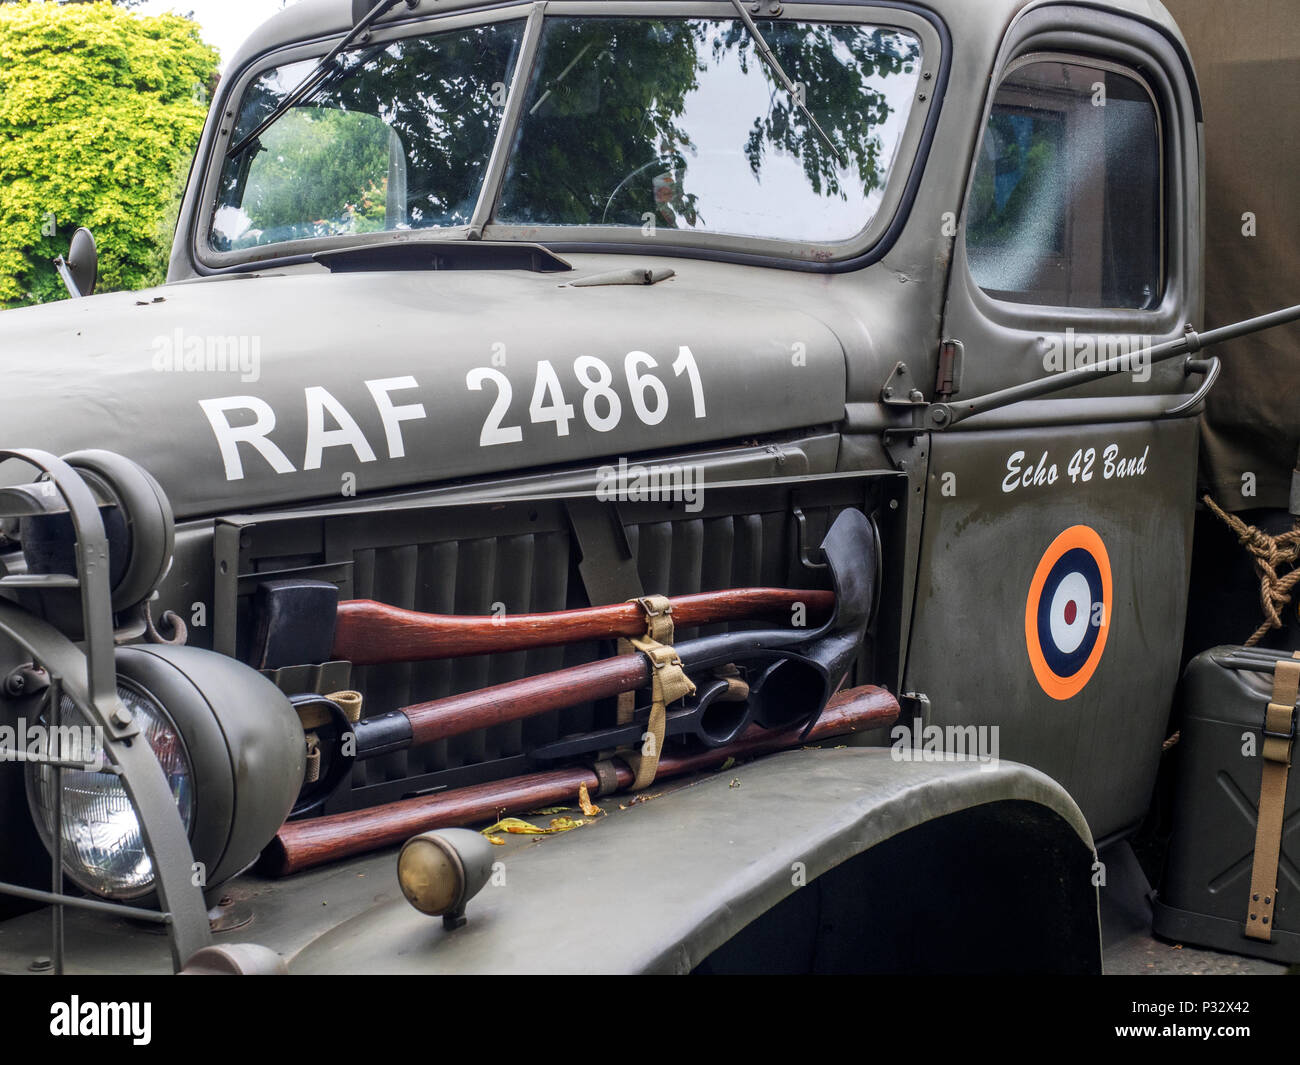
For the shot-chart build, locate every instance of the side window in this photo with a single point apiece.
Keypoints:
(1066, 208)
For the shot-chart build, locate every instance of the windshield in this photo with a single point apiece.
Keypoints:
(637, 124)
(399, 141)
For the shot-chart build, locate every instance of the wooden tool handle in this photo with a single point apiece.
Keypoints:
(304, 844)
(370, 633)
(519, 699)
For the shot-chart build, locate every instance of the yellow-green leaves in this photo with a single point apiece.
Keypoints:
(100, 110)
(517, 827)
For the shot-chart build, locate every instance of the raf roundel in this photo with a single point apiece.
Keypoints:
(1067, 614)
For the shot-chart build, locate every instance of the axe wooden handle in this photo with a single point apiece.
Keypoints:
(304, 844)
(369, 633)
(516, 700)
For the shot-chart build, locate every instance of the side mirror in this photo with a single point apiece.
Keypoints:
(80, 270)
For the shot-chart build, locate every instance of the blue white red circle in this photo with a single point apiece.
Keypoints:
(1067, 612)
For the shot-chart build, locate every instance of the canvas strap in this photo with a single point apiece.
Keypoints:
(658, 611)
(311, 772)
(314, 717)
(668, 681)
(1275, 751)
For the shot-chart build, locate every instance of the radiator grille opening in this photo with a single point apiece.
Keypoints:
(523, 557)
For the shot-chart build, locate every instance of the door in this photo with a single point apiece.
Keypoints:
(1057, 531)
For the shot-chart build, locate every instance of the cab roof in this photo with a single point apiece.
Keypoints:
(311, 19)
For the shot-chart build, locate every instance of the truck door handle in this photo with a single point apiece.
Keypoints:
(1210, 368)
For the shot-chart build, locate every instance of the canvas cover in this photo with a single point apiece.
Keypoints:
(1247, 58)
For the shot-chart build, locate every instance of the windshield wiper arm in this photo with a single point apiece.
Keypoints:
(769, 57)
(318, 73)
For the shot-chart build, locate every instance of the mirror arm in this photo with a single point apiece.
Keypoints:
(61, 265)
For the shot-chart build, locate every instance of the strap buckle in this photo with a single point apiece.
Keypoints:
(658, 613)
(661, 655)
(1288, 736)
(1274, 711)
(654, 606)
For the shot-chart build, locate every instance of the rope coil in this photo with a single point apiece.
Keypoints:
(1271, 553)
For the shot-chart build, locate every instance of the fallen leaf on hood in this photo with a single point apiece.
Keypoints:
(589, 808)
(546, 811)
(517, 827)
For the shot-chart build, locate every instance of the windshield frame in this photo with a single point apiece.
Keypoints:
(849, 253)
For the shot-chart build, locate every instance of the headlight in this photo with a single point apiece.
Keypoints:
(230, 746)
(103, 845)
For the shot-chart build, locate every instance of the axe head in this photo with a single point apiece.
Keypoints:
(295, 622)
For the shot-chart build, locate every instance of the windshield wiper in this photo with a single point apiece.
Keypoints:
(318, 74)
(769, 57)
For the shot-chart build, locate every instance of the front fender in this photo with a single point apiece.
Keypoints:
(811, 860)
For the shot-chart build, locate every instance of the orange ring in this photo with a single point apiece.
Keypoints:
(1058, 687)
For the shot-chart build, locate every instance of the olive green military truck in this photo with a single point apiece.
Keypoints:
(742, 456)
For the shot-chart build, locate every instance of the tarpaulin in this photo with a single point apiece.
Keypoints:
(1247, 58)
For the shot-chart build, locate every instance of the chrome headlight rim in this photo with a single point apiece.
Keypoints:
(245, 748)
(142, 703)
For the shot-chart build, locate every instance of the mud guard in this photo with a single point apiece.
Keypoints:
(813, 860)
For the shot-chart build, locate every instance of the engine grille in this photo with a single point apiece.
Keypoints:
(520, 556)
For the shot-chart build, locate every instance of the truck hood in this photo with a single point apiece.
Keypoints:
(240, 392)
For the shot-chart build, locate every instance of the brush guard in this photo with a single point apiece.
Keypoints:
(86, 675)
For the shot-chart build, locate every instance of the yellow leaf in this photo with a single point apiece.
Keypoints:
(589, 808)
(517, 827)
(546, 811)
(496, 841)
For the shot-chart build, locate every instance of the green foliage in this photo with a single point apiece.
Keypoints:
(326, 173)
(329, 167)
(100, 111)
(834, 68)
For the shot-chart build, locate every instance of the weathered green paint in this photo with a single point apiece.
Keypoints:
(979, 553)
(83, 374)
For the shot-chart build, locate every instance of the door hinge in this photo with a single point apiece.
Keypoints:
(948, 381)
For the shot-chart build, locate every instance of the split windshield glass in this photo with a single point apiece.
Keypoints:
(629, 124)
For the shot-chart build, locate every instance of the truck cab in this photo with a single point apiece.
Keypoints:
(526, 309)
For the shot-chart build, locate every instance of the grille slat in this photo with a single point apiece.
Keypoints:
(717, 561)
(476, 580)
(654, 555)
(747, 562)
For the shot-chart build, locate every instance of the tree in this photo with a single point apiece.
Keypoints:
(100, 110)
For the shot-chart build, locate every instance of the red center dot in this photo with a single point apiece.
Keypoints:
(1071, 612)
